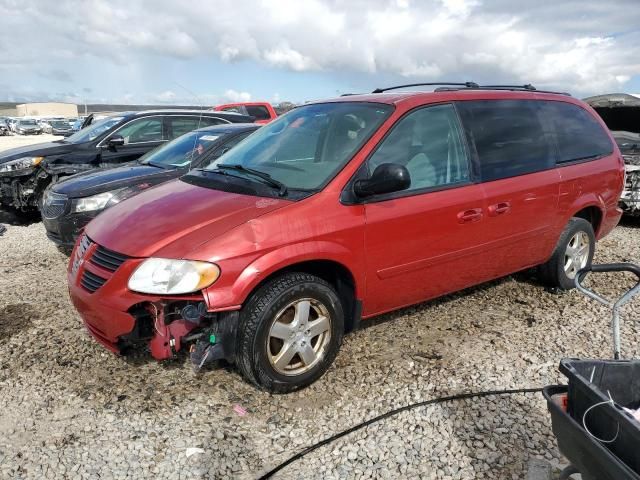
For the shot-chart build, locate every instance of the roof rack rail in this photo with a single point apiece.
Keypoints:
(528, 86)
(452, 84)
(450, 87)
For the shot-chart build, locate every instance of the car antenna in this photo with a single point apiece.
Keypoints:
(201, 105)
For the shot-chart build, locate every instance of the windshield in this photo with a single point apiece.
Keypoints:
(94, 130)
(27, 122)
(181, 151)
(59, 124)
(306, 147)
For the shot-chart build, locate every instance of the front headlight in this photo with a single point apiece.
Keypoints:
(95, 202)
(164, 276)
(106, 199)
(24, 163)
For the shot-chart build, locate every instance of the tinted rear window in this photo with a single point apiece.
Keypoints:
(578, 134)
(259, 112)
(508, 136)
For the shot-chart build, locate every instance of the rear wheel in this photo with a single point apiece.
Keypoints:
(290, 332)
(573, 252)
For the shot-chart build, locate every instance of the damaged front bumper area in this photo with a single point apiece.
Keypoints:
(126, 322)
(630, 198)
(21, 190)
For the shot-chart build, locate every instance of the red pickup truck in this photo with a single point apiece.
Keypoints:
(263, 112)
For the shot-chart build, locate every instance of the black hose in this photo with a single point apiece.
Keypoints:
(390, 413)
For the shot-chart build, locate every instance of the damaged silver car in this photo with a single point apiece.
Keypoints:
(621, 113)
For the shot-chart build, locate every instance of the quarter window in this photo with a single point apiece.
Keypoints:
(428, 142)
(508, 137)
(578, 135)
(142, 130)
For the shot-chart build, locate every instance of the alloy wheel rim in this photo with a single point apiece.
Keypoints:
(576, 254)
(299, 337)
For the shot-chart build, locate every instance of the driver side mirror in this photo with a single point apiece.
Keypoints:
(386, 178)
(115, 141)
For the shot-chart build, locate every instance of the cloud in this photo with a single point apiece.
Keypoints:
(233, 96)
(580, 45)
(207, 99)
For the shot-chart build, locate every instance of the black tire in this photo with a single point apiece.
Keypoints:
(552, 273)
(259, 313)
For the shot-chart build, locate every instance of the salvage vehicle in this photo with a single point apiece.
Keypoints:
(621, 113)
(25, 172)
(70, 204)
(342, 210)
(262, 112)
(28, 126)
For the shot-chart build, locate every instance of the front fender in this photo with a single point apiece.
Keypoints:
(232, 296)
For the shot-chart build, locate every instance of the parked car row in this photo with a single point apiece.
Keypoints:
(36, 126)
(26, 172)
(264, 246)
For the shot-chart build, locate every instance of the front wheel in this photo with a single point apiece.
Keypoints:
(290, 332)
(573, 252)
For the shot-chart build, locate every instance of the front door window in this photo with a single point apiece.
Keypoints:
(142, 130)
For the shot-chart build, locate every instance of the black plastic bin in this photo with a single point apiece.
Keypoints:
(590, 383)
(590, 457)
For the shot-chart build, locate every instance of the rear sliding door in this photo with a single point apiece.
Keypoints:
(515, 160)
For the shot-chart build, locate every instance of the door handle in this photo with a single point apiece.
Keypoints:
(469, 216)
(499, 208)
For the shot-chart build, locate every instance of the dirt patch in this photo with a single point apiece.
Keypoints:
(15, 318)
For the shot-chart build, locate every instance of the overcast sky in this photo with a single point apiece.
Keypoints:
(170, 51)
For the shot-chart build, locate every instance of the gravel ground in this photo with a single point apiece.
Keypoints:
(72, 410)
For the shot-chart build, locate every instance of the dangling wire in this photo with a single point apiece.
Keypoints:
(584, 417)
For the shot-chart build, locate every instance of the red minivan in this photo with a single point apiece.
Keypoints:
(344, 209)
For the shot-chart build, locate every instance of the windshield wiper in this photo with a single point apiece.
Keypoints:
(257, 173)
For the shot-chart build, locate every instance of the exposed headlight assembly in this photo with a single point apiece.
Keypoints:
(163, 276)
(24, 163)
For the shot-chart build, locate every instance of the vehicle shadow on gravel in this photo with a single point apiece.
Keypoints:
(629, 221)
(23, 219)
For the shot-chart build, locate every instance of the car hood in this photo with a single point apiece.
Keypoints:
(36, 150)
(103, 180)
(173, 219)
